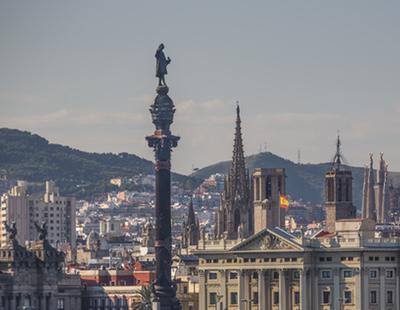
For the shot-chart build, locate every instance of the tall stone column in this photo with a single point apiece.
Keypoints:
(224, 293)
(261, 290)
(358, 298)
(282, 290)
(242, 289)
(382, 299)
(397, 293)
(162, 141)
(268, 289)
(303, 290)
(315, 289)
(336, 289)
(202, 289)
(365, 298)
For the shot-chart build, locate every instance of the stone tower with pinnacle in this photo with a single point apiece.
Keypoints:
(338, 191)
(235, 211)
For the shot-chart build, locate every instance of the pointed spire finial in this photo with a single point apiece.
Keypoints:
(337, 160)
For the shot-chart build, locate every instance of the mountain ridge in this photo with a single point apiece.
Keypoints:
(30, 157)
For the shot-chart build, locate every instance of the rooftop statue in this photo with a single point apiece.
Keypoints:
(161, 67)
(11, 230)
(42, 230)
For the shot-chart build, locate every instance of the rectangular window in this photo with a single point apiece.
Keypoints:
(347, 273)
(233, 275)
(390, 274)
(212, 276)
(326, 297)
(373, 297)
(275, 275)
(389, 297)
(347, 297)
(296, 275)
(326, 274)
(276, 298)
(60, 304)
(234, 298)
(296, 298)
(213, 298)
(373, 274)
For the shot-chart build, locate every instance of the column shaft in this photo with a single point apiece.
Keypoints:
(261, 290)
(303, 290)
(202, 289)
(336, 289)
(241, 293)
(382, 288)
(282, 290)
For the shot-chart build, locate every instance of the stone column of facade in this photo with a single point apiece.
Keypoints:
(315, 288)
(261, 290)
(382, 300)
(303, 290)
(248, 289)
(242, 288)
(224, 293)
(336, 289)
(397, 288)
(282, 290)
(358, 298)
(365, 299)
(202, 289)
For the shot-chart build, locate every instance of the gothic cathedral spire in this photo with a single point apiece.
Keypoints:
(235, 212)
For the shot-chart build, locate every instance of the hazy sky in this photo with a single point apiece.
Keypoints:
(81, 73)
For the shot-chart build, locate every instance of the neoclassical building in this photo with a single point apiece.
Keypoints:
(32, 277)
(349, 269)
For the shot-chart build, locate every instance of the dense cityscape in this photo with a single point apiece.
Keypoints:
(114, 231)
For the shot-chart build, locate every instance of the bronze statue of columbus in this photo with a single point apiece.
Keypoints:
(162, 63)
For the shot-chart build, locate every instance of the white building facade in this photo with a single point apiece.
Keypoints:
(273, 270)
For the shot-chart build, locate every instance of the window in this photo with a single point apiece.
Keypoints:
(296, 298)
(296, 275)
(389, 297)
(60, 303)
(213, 298)
(275, 275)
(322, 259)
(389, 274)
(326, 297)
(276, 298)
(233, 275)
(329, 259)
(373, 274)
(347, 298)
(212, 276)
(325, 274)
(347, 273)
(233, 298)
(373, 297)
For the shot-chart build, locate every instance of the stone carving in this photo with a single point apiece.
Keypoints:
(272, 242)
(162, 63)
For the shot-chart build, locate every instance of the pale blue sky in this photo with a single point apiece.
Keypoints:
(81, 73)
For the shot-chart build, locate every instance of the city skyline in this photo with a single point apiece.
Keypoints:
(83, 76)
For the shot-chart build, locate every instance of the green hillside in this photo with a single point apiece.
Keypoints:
(30, 157)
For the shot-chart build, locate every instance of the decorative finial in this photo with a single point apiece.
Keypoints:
(161, 65)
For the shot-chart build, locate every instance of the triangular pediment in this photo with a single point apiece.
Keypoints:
(274, 239)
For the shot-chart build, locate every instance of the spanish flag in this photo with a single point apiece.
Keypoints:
(283, 201)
